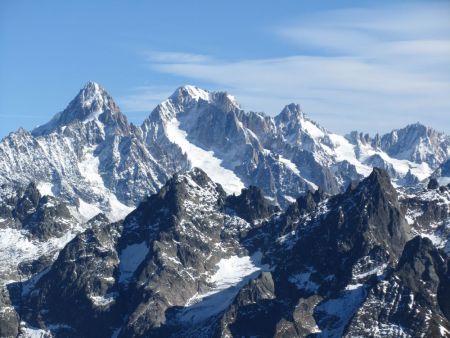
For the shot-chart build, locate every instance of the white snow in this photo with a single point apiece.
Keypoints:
(31, 332)
(312, 129)
(197, 93)
(87, 211)
(289, 199)
(303, 282)
(350, 287)
(439, 242)
(379, 270)
(204, 159)
(311, 184)
(231, 271)
(234, 272)
(97, 95)
(420, 170)
(130, 258)
(444, 180)
(289, 164)
(16, 247)
(27, 331)
(105, 300)
(345, 151)
(339, 311)
(89, 169)
(443, 331)
(45, 188)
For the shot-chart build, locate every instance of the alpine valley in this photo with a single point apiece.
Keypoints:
(211, 221)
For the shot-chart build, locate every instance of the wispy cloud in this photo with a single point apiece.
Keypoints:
(366, 68)
(143, 99)
(175, 57)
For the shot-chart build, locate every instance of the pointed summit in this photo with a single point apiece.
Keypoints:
(417, 143)
(295, 126)
(91, 102)
(290, 112)
(189, 93)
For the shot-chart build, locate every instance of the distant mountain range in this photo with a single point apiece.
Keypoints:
(210, 221)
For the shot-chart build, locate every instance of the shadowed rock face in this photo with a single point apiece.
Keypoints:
(327, 245)
(412, 300)
(433, 184)
(342, 265)
(251, 204)
(123, 275)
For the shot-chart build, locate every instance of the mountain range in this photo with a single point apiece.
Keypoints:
(263, 226)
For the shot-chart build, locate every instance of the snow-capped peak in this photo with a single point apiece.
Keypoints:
(294, 123)
(289, 112)
(89, 104)
(92, 93)
(189, 92)
(418, 143)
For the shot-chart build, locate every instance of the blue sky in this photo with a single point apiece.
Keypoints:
(371, 66)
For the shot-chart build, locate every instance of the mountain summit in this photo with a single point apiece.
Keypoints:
(91, 102)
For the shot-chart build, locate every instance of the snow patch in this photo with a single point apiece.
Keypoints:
(379, 270)
(105, 300)
(204, 159)
(234, 272)
(345, 151)
(438, 241)
(16, 247)
(87, 211)
(45, 188)
(312, 129)
(197, 93)
(231, 271)
(443, 180)
(303, 281)
(289, 164)
(337, 312)
(89, 169)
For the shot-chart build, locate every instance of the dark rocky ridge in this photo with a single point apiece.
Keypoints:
(322, 250)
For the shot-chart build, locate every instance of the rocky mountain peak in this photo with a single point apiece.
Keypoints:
(178, 197)
(377, 183)
(251, 204)
(378, 177)
(189, 93)
(423, 269)
(417, 142)
(92, 102)
(28, 202)
(289, 113)
(296, 127)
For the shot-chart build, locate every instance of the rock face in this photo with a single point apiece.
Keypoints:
(333, 266)
(209, 221)
(417, 143)
(412, 301)
(121, 276)
(33, 229)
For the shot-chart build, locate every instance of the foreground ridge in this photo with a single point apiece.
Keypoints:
(327, 265)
